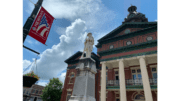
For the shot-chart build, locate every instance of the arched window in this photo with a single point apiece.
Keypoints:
(72, 74)
(139, 97)
(71, 80)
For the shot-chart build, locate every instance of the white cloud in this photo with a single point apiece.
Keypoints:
(98, 36)
(60, 30)
(51, 61)
(93, 12)
(88, 15)
(26, 63)
(43, 82)
(62, 77)
(70, 9)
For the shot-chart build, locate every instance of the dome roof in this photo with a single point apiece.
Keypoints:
(135, 16)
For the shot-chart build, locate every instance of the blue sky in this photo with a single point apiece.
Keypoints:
(74, 19)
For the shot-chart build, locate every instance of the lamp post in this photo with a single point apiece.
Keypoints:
(30, 20)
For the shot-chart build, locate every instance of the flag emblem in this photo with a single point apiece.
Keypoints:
(43, 26)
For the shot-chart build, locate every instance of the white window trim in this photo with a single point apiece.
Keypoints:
(117, 97)
(151, 66)
(116, 74)
(72, 73)
(153, 71)
(136, 72)
(71, 77)
(68, 90)
(116, 69)
(70, 80)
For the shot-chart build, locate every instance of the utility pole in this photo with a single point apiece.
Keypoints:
(30, 20)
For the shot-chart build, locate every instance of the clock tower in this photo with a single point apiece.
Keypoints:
(135, 16)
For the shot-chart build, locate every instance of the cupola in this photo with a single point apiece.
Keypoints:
(135, 16)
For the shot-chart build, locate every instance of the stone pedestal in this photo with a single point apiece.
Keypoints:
(84, 86)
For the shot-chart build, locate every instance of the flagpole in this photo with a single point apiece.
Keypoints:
(30, 20)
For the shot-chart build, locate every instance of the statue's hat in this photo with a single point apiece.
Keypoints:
(89, 34)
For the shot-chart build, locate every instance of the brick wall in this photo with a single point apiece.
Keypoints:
(67, 84)
(134, 40)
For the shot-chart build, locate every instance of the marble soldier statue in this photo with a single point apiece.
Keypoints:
(84, 85)
(88, 45)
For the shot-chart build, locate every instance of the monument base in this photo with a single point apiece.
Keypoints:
(82, 98)
(84, 86)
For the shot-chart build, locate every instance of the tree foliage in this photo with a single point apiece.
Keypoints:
(52, 91)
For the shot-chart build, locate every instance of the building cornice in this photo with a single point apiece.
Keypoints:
(129, 56)
(138, 46)
(125, 36)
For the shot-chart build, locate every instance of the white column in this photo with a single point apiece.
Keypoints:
(103, 82)
(145, 79)
(122, 81)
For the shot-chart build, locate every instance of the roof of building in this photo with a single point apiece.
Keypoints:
(116, 31)
(35, 85)
(79, 53)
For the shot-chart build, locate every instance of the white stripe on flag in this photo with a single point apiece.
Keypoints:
(43, 31)
(41, 26)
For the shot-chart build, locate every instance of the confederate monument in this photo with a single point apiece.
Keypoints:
(84, 86)
(88, 45)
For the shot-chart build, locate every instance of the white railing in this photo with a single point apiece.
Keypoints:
(152, 81)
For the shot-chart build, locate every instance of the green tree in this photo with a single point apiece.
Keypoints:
(52, 91)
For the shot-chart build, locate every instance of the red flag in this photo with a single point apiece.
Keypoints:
(41, 26)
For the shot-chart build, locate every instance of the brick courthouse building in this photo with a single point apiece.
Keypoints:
(126, 62)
